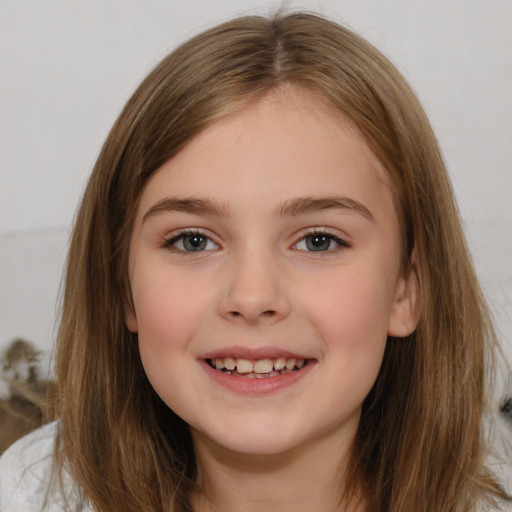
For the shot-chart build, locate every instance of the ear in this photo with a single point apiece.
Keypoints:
(130, 317)
(406, 308)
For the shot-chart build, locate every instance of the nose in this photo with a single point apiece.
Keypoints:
(255, 290)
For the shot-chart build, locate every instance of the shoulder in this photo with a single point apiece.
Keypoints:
(503, 507)
(26, 473)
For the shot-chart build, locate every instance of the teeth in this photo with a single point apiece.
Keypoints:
(262, 368)
(290, 364)
(244, 366)
(229, 363)
(279, 363)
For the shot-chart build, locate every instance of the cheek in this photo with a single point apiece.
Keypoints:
(168, 315)
(167, 310)
(351, 313)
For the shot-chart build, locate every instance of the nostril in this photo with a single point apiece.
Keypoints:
(269, 312)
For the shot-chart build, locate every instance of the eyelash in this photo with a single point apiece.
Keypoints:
(325, 235)
(170, 243)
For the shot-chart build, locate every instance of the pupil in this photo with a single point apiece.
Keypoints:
(318, 243)
(194, 242)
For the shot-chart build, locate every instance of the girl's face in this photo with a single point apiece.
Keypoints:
(265, 273)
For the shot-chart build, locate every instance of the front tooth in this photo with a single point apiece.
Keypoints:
(218, 364)
(229, 363)
(290, 364)
(279, 363)
(263, 366)
(244, 366)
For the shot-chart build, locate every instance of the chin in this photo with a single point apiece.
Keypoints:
(261, 447)
(250, 442)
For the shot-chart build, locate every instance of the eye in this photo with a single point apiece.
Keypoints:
(320, 241)
(190, 241)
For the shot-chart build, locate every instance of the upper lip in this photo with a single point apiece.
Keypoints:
(256, 354)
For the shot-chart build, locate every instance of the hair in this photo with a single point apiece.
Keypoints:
(420, 444)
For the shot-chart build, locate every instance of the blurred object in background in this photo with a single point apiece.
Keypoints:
(27, 401)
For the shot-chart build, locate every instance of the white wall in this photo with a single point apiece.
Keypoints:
(68, 67)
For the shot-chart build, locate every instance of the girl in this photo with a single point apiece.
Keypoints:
(269, 302)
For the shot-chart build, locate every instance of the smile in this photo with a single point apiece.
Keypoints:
(259, 369)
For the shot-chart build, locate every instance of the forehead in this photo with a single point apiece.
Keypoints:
(287, 144)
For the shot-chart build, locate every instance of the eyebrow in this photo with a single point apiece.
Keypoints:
(302, 205)
(194, 205)
(290, 208)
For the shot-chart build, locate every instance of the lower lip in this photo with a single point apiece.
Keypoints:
(248, 386)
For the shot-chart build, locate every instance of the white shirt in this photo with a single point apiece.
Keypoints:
(25, 473)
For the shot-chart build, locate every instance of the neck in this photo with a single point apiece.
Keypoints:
(306, 478)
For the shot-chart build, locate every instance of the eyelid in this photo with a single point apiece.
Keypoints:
(175, 236)
(342, 242)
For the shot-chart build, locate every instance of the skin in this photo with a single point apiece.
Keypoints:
(257, 285)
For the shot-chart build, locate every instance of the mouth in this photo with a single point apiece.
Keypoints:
(257, 369)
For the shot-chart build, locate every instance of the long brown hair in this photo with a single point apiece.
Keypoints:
(420, 444)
